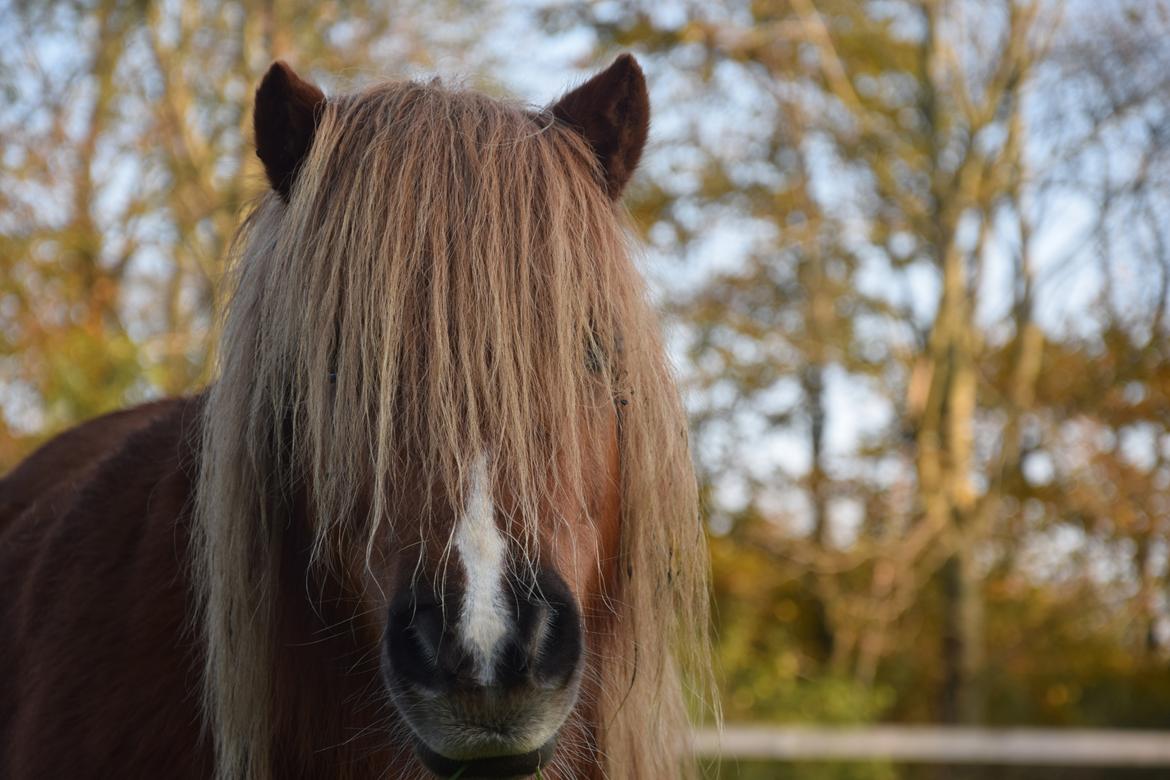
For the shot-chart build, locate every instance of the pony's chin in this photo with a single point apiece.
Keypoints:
(518, 766)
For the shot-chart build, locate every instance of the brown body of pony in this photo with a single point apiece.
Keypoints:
(434, 314)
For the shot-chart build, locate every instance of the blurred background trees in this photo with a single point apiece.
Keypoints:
(916, 264)
(126, 166)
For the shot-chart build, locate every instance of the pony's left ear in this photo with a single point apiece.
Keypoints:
(612, 112)
(285, 120)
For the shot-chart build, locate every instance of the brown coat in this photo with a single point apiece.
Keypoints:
(99, 668)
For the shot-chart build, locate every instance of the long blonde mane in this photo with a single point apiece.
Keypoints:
(434, 286)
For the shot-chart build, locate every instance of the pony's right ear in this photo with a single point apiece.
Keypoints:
(285, 120)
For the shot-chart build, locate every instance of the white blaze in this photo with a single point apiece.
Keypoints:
(483, 621)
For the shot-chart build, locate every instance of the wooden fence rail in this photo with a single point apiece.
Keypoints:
(939, 745)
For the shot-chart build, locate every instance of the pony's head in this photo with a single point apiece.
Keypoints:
(443, 391)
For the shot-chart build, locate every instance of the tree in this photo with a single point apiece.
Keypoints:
(127, 164)
(903, 173)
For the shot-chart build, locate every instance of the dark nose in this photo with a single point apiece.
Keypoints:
(541, 647)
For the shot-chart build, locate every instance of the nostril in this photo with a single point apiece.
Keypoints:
(534, 629)
(546, 647)
(414, 643)
(426, 630)
(558, 645)
(525, 647)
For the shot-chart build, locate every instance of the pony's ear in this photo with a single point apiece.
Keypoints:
(612, 112)
(285, 119)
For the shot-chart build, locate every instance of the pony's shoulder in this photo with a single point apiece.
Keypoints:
(95, 601)
(58, 468)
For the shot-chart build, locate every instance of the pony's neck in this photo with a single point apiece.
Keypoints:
(330, 718)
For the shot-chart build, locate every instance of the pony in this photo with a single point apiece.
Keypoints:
(435, 514)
